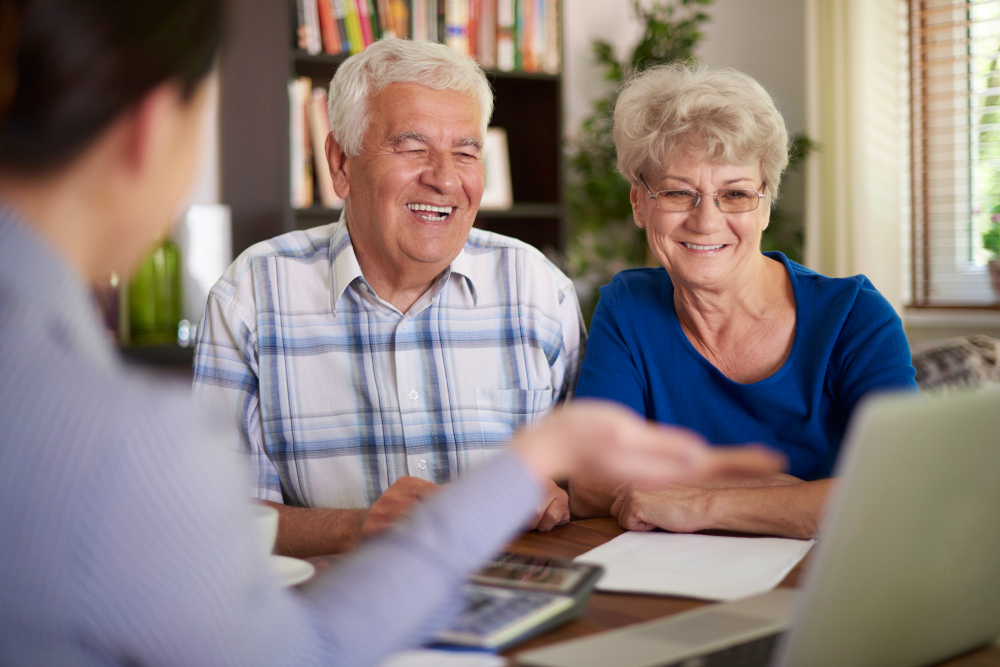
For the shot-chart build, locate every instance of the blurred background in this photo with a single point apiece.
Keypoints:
(894, 106)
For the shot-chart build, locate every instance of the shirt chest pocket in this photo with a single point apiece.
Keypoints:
(500, 412)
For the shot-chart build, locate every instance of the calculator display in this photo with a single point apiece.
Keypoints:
(533, 572)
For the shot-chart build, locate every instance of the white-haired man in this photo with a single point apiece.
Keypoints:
(373, 359)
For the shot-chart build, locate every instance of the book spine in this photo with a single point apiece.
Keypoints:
(314, 43)
(441, 25)
(553, 54)
(328, 28)
(304, 95)
(338, 14)
(294, 145)
(375, 21)
(418, 20)
(505, 35)
(365, 22)
(400, 15)
(385, 20)
(487, 34)
(457, 25)
(519, 33)
(353, 25)
(302, 29)
(474, 7)
(319, 128)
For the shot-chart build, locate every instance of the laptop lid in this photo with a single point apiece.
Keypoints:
(907, 570)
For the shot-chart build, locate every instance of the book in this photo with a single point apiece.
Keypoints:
(301, 31)
(328, 27)
(313, 41)
(353, 25)
(456, 21)
(365, 21)
(553, 53)
(319, 128)
(399, 13)
(486, 34)
(497, 192)
(418, 21)
(338, 15)
(505, 35)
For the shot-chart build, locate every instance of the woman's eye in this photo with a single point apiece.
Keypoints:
(735, 195)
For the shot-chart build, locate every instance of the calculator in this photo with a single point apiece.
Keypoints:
(516, 596)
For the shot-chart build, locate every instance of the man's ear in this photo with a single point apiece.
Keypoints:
(338, 166)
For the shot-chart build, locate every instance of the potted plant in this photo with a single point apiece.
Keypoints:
(991, 242)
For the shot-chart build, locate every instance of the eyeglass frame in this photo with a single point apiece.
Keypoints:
(713, 195)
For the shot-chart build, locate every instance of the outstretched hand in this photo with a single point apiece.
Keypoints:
(600, 438)
(398, 501)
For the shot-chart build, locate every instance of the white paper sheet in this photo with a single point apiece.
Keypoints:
(431, 658)
(698, 566)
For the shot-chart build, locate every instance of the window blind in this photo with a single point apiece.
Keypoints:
(954, 92)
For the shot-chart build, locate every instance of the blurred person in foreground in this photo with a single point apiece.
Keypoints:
(127, 535)
(733, 343)
(370, 360)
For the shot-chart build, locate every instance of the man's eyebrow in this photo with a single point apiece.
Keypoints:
(409, 135)
(470, 141)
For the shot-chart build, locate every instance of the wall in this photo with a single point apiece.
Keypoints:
(764, 38)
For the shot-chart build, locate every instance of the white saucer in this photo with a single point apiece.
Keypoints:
(291, 571)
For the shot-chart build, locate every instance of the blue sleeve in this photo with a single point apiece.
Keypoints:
(871, 353)
(609, 369)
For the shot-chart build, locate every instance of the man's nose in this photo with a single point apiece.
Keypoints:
(441, 174)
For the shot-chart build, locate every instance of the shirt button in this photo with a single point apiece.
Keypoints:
(403, 326)
(422, 464)
(413, 395)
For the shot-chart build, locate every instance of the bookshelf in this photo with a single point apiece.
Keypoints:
(261, 57)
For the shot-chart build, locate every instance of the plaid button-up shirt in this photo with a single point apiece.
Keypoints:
(338, 394)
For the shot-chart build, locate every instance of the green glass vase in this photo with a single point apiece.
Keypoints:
(155, 297)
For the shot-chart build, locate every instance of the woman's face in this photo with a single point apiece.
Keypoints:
(704, 247)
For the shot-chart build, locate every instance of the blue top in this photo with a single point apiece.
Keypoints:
(848, 342)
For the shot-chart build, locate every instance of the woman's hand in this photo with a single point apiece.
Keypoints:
(677, 508)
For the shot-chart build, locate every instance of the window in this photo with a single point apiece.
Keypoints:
(954, 86)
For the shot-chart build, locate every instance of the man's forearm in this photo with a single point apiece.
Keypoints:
(305, 532)
(788, 510)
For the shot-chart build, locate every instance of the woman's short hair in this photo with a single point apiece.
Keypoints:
(667, 110)
(387, 61)
(69, 68)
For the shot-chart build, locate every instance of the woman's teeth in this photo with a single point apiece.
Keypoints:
(695, 246)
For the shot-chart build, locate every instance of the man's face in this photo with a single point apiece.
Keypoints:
(414, 189)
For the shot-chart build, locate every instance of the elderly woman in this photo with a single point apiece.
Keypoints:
(736, 344)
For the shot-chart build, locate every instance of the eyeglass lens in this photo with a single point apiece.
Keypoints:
(729, 201)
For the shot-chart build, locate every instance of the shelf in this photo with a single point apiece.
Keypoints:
(159, 355)
(301, 57)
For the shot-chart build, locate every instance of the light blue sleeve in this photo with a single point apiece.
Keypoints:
(171, 574)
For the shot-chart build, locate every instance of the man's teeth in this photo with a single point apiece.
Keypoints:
(695, 246)
(442, 211)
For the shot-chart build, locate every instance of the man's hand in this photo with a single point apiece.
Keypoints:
(395, 503)
(553, 510)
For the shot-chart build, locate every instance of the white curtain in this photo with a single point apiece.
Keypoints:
(853, 106)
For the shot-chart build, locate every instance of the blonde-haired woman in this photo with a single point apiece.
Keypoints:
(734, 343)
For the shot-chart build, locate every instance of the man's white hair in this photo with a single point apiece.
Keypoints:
(399, 61)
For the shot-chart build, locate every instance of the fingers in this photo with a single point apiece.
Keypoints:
(554, 510)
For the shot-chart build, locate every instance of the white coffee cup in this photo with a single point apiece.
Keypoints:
(266, 521)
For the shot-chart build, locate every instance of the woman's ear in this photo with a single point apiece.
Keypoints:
(634, 196)
(338, 166)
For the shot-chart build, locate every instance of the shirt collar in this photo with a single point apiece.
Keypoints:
(47, 292)
(345, 267)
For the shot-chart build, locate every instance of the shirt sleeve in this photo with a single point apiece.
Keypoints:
(871, 353)
(172, 574)
(609, 370)
(574, 339)
(226, 374)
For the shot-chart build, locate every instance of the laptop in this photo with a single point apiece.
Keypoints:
(906, 571)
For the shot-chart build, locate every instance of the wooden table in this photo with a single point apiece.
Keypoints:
(606, 611)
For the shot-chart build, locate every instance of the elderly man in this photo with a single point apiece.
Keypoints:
(372, 359)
